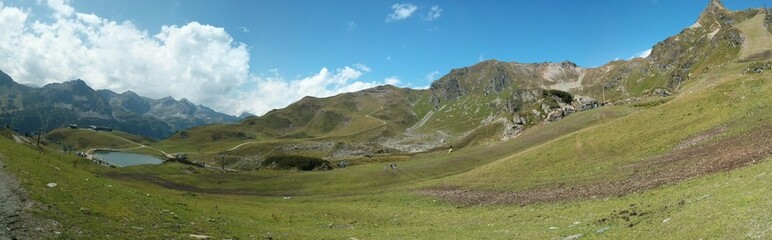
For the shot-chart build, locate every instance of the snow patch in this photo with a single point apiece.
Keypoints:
(713, 34)
(695, 25)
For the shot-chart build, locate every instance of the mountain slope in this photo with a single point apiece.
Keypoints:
(695, 165)
(55, 105)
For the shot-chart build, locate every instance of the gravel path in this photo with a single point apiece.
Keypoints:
(15, 221)
(10, 204)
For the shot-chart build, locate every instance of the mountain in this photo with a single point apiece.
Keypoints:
(491, 100)
(692, 165)
(55, 105)
(180, 115)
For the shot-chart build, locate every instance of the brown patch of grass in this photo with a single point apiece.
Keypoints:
(693, 160)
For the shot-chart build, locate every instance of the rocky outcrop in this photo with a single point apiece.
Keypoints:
(757, 67)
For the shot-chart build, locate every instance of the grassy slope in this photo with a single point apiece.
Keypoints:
(599, 152)
(371, 177)
(85, 139)
(727, 204)
(365, 202)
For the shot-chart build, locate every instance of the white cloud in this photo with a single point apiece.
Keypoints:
(61, 8)
(434, 13)
(275, 92)
(362, 67)
(245, 29)
(393, 80)
(480, 58)
(200, 62)
(644, 54)
(432, 76)
(401, 11)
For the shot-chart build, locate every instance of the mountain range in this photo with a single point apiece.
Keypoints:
(491, 100)
(54, 105)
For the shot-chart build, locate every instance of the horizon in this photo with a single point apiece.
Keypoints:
(205, 53)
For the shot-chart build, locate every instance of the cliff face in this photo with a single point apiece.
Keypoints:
(494, 77)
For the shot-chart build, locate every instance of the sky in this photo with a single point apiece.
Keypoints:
(255, 55)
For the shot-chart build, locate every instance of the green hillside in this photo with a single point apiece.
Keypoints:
(692, 160)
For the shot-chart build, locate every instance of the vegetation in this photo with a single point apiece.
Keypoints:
(694, 165)
(297, 162)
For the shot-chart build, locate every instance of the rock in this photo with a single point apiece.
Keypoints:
(552, 228)
(602, 230)
(554, 115)
(666, 220)
(573, 237)
(85, 210)
(585, 103)
(545, 108)
(51, 185)
(536, 113)
(519, 120)
(757, 67)
(568, 110)
(198, 236)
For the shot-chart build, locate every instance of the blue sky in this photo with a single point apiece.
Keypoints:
(287, 45)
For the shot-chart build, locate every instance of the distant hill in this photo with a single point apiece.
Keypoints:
(29, 109)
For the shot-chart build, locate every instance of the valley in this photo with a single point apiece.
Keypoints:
(677, 145)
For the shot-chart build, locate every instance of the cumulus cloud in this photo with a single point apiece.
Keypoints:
(644, 54)
(393, 80)
(200, 62)
(362, 67)
(275, 91)
(432, 75)
(401, 11)
(434, 13)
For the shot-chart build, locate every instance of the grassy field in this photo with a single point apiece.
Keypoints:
(366, 202)
(693, 166)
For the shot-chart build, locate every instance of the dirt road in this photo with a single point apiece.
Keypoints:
(13, 218)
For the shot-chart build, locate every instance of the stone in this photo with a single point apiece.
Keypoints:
(85, 210)
(51, 185)
(199, 236)
(573, 237)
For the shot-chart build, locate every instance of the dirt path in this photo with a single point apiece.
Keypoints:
(20, 139)
(15, 221)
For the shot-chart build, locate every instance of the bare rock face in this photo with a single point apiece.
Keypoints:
(757, 67)
(554, 115)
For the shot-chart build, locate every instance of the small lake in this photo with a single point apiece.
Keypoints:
(123, 159)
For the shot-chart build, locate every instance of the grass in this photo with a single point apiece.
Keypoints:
(365, 201)
(726, 204)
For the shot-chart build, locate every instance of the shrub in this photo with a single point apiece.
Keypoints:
(302, 163)
(564, 96)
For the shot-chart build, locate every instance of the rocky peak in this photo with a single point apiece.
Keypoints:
(714, 13)
(5, 80)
